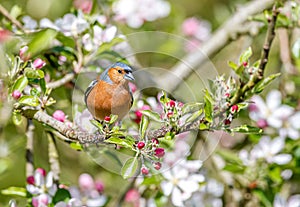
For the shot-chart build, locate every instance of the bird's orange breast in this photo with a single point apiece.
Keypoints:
(105, 99)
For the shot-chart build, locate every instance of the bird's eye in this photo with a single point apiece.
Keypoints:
(120, 71)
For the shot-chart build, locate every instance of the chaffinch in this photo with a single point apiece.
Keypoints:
(110, 94)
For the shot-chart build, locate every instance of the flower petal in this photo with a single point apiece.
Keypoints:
(276, 145)
(273, 99)
(282, 159)
(167, 187)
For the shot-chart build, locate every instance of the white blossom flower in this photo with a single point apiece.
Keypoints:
(269, 150)
(72, 25)
(181, 181)
(41, 186)
(136, 12)
(274, 114)
(292, 201)
(29, 23)
(82, 120)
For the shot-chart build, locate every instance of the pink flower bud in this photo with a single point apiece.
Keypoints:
(107, 118)
(38, 63)
(190, 26)
(145, 170)
(41, 171)
(30, 180)
(227, 95)
(141, 145)
(234, 108)
(227, 122)
(86, 182)
(157, 165)
(159, 152)
(132, 196)
(145, 107)
(99, 186)
(59, 115)
(180, 104)
(155, 141)
(245, 64)
(22, 54)
(171, 103)
(84, 5)
(169, 114)
(16, 94)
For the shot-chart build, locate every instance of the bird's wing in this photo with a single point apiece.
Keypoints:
(132, 99)
(89, 89)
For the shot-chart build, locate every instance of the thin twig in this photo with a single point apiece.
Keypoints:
(29, 149)
(231, 28)
(53, 157)
(258, 75)
(7, 15)
(66, 79)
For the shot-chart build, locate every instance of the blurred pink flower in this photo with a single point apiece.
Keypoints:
(84, 5)
(16, 94)
(190, 26)
(133, 196)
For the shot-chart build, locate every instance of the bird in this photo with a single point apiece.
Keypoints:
(110, 93)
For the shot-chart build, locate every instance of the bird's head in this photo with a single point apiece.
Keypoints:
(117, 73)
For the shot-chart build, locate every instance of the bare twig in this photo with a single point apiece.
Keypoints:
(67, 78)
(29, 149)
(53, 157)
(6, 14)
(231, 28)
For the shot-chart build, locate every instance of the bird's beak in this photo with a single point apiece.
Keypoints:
(129, 76)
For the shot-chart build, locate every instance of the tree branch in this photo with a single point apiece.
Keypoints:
(7, 15)
(66, 79)
(29, 149)
(258, 75)
(231, 28)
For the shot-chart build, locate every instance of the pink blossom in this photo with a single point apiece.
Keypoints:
(38, 63)
(16, 94)
(145, 170)
(30, 180)
(4, 35)
(133, 196)
(84, 5)
(86, 182)
(59, 115)
(190, 26)
(159, 152)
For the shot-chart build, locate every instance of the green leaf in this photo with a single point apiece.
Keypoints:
(203, 126)
(208, 108)
(34, 92)
(194, 116)
(66, 41)
(76, 146)
(245, 56)
(169, 135)
(190, 107)
(108, 45)
(143, 126)
(20, 84)
(229, 156)
(97, 124)
(260, 86)
(129, 167)
(15, 11)
(246, 129)
(17, 191)
(61, 195)
(262, 197)
(275, 175)
(113, 118)
(17, 118)
(29, 100)
(122, 142)
(152, 115)
(164, 98)
(34, 74)
(234, 168)
(232, 65)
(41, 40)
(43, 85)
